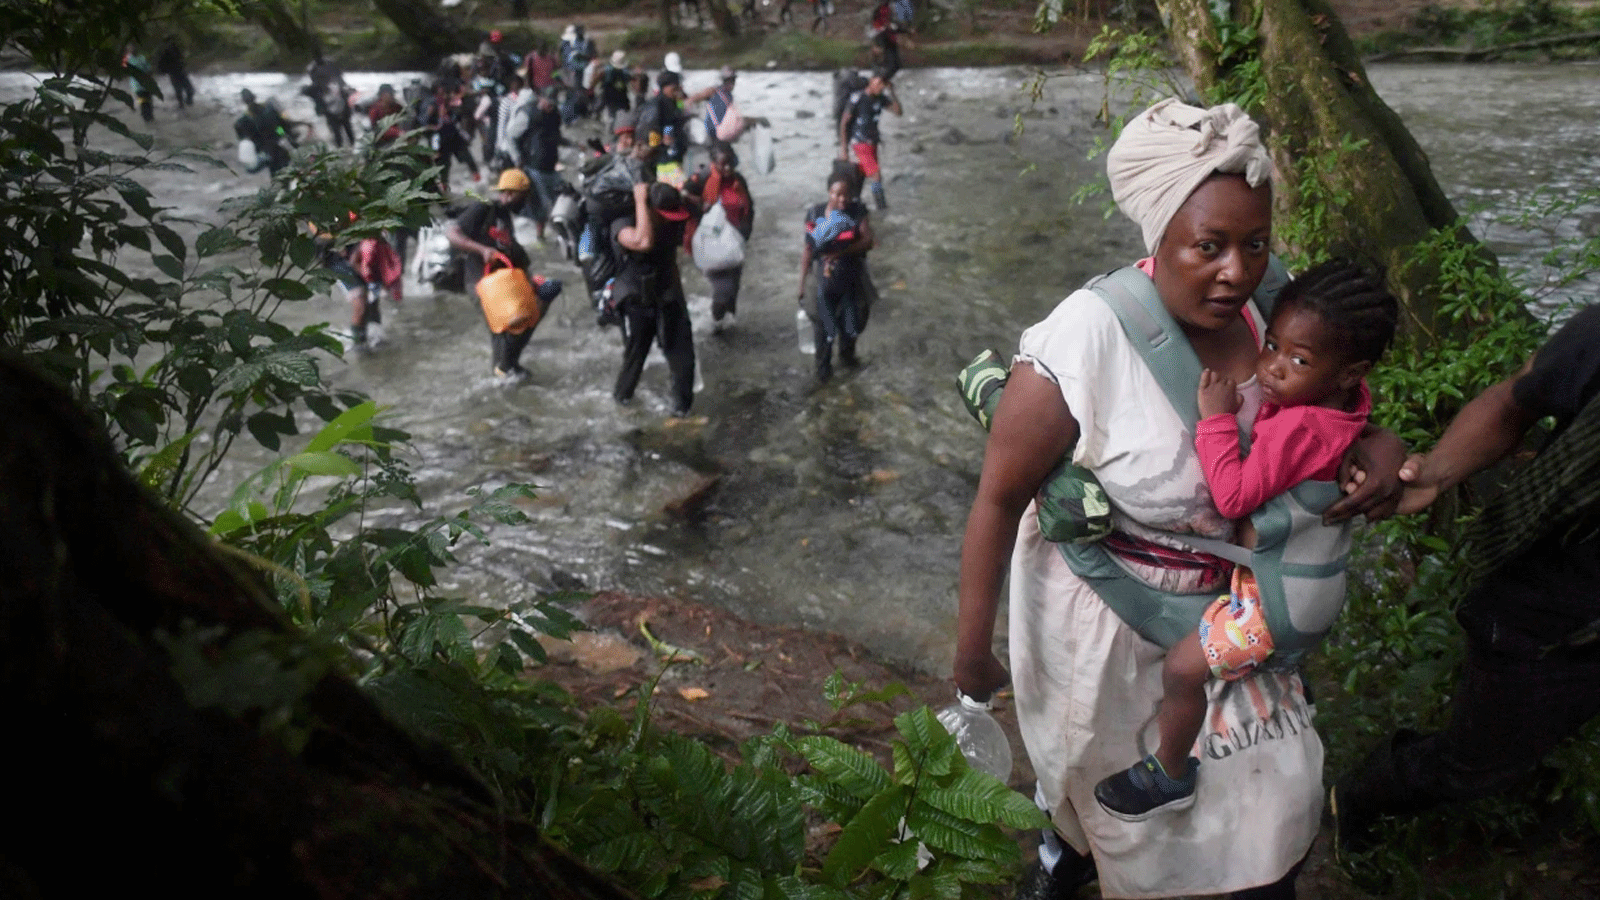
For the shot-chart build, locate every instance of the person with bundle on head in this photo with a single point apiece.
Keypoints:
(648, 292)
(1091, 500)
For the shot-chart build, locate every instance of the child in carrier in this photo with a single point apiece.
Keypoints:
(1328, 328)
(829, 233)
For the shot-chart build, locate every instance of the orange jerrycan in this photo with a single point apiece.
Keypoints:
(507, 297)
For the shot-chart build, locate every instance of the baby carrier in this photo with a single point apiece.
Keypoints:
(1299, 563)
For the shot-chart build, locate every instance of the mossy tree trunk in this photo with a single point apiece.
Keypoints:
(169, 731)
(1341, 152)
(723, 18)
(434, 33)
(286, 29)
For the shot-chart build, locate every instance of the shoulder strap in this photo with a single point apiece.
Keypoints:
(1151, 329)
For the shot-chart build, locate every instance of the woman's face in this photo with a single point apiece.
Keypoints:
(723, 165)
(1214, 252)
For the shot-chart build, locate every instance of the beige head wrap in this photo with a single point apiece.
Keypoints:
(1169, 149)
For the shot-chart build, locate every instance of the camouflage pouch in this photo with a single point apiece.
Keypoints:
(1073, 507)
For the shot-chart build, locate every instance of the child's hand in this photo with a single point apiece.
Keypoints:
(1218, 394)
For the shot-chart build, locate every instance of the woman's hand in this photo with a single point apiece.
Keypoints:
(980, 676)
(1370, 478)
(1218, 394)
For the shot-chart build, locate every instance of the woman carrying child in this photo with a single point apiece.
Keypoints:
(1089, 680)
(838, 236)
(1328, 328)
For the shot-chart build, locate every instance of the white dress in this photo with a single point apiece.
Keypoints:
(1087, 685)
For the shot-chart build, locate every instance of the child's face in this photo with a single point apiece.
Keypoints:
(838, 195)
(1299, 365)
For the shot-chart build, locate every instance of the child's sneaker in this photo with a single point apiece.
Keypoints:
(1146, 789)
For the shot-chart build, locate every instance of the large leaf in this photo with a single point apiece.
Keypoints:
(354, 424)
(324, 462)
(866, 835)
(950, 834)
(979, 797)
(854, 770)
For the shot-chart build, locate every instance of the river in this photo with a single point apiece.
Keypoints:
(841, 507)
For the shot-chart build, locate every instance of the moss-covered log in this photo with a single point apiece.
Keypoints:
(167, 730)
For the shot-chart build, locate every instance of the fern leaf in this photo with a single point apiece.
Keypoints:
(828, 797)
(979, 797)
(865, 836)
(626, 852)
(934, 886)
(791, 887)
(944, 832)
(920, 729)
(855, 771)
(981, 871)
(899, 862)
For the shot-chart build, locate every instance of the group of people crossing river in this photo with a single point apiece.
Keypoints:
(617, 167)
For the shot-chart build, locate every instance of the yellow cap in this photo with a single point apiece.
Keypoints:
(513, 180)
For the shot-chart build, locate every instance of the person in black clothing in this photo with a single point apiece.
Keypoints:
(170, 62)
(480, 232)
(439, 116)
(649, 292)
(614, 84)
(1531, 613)
(331, 96)
(662, 122)
(540, 148)
(264, 126)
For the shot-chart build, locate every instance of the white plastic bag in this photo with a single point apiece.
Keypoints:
(717, 245)
(761, 158)
(248, 157)
(698, 135)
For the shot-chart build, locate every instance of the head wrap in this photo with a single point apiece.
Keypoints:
(1169, 149)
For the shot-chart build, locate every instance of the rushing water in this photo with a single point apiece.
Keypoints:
(840, 507)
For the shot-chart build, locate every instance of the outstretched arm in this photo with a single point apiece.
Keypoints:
(1486, 429)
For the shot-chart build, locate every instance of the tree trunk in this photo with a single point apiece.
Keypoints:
(721, 16)
(434, 33)
(287, 31)
(168, 731)
(1337, 146)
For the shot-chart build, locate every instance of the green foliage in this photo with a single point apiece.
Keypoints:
(1483, 334)
(1139, 71)
(666, 815)
(1238, 64)
(1319, 199)
(173, 340)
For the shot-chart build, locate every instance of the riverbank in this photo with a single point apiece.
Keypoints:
(982, 35)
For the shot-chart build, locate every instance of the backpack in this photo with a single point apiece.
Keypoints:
(845, 86)
(1299, 563)
(607, 197)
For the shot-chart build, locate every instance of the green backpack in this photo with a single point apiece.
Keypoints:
(1295, 554)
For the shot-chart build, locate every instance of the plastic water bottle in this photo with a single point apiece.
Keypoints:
(981, 739)
(808, 338)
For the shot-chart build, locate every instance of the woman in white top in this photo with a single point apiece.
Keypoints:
(1197, 182)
